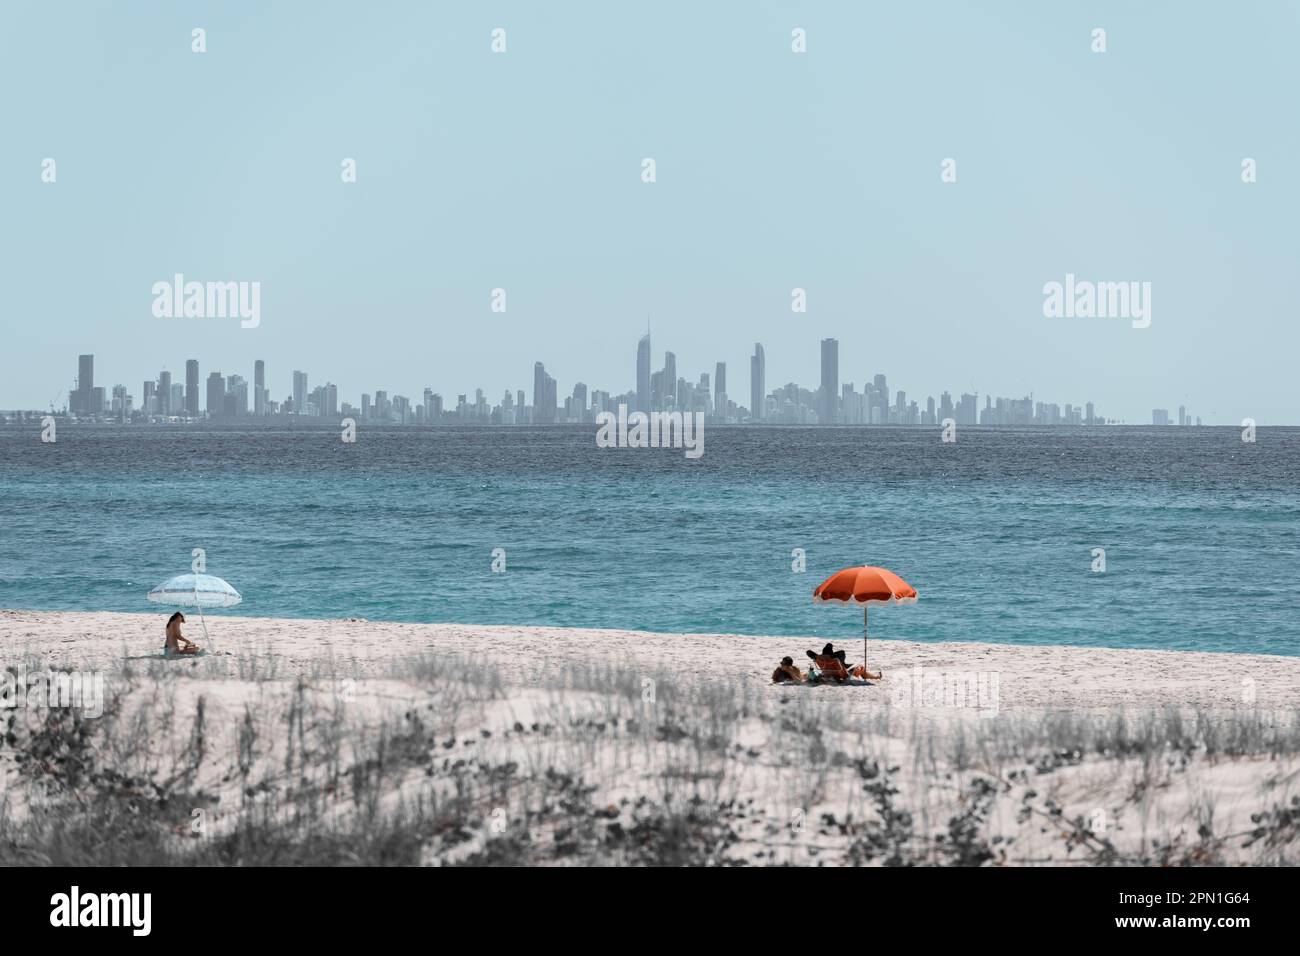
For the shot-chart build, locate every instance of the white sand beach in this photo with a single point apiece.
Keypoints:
(533, 745)
(1029, 677)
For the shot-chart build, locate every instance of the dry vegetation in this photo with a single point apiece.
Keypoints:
(439, 761)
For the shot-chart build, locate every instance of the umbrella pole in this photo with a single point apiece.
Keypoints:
(864, 637)
(207, 642)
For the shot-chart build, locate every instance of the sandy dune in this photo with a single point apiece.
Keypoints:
(580, 745)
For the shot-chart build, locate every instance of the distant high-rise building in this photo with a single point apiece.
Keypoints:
(849, 401)
(192, 388)
(757, 382)
(165, 393)
(86, 375)
(828, 400)
(643, 374)
(216, 395)
(299, 393)
(1087, 418)
(1160, 416)
(236, 401)
(670, 380)
(967, 409)
(259, 387)
(945, 408)
(149, 405)
(544, 397)
(79, 401)
(720, 389)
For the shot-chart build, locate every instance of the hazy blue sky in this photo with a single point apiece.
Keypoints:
(775, 170)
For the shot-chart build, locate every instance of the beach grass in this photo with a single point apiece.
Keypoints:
(434, 758)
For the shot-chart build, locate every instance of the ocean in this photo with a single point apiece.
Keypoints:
(998, 531)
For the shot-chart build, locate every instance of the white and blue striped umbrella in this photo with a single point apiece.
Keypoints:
(195, 590)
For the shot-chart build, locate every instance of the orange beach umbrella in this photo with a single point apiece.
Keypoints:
(865, 585)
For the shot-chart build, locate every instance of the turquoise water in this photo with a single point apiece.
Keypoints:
(996, 531)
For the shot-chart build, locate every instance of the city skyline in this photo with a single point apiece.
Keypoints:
(775, 171)
(833, 401)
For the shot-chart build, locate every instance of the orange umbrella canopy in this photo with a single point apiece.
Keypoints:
(865, 585)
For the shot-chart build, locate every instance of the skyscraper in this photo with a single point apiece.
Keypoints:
(643, 374)
(543, 396)
(300, 393)
(165, 393)
(945, 407)
(967, 406)
(192, 388)
(80, 400)
(236, 395)
(757, 382)
(830, 391)
(216, 394)
(850, 401)
(670, 380)
(720, 390)
(259, 387)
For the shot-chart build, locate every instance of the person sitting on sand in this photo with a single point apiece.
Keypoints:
(786, 672)
(830, 663)
(176, 642)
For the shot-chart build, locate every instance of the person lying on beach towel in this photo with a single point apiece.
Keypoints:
(786, 672)
(830, 664)
(176, 642)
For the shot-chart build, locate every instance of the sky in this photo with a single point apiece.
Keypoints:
(774, 170)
